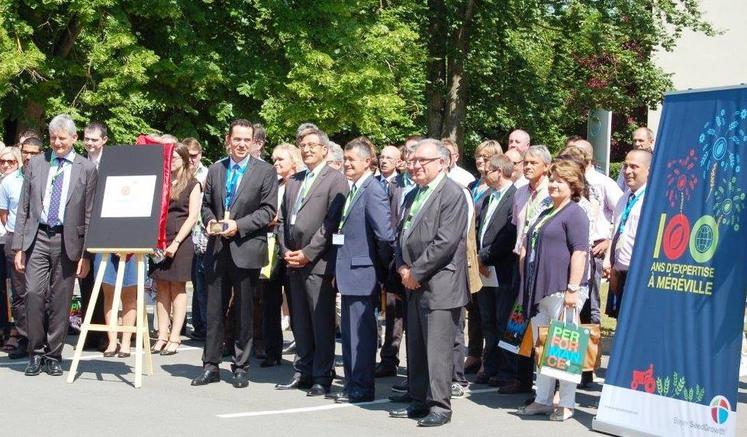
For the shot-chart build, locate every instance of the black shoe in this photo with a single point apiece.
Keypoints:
(587, 379)
(269, 362)
(384, 371)
(197, 336)
(344, 398)
(290, 349)
(34, 367)
(434, 419)
(410, 412)
(296, 383)
(333, 396)
(401, 388)
(240, 379)
(317, 390)
(53, 367)
(401, 399)
(495, 381)
(207, 377)
(20, 352)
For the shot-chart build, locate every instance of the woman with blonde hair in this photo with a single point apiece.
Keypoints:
(175, 270)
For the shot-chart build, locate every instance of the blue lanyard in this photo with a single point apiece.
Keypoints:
(628, 209)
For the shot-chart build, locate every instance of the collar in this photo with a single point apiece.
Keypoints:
(69, 157)
(544, 182)
(362, 179)
(243, 163)
(434, 183)
(639, 190)
(316, 170)
(503, 190)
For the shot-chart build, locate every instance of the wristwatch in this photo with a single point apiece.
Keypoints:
(573, 288)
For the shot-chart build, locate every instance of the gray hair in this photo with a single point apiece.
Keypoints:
(443, 152)
(304, 126)
(361, 148)
(63, 122)
(323, 138)
(540, 151)
(334, 152)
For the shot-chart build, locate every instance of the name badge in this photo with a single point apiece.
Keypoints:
(338, 239)
(293, 220)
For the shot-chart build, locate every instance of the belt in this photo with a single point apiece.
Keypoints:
(50, 230)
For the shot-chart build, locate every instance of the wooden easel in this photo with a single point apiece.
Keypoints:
(142, 340)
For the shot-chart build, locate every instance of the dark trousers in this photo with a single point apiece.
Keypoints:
(50, 278)
(394, 326)
(358, 328)
(94, 339)
(4, 319)
(459, 352)
(430, 347)
(591, 313)
(313, 313)
(18, 292)
(258, 341)
(474, 328)
(272, 302)
(224, 279)
(199, 295)
(615, 293)
(495, 305)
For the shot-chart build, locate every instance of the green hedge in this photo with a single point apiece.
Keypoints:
(615, 168)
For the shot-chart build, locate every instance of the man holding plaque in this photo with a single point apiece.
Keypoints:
(51, 224)
(240, 200)
(309, 215)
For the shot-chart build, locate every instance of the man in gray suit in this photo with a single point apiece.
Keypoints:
(309, 215)
(431, 260)
(53, 213)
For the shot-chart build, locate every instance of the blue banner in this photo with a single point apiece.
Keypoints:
(674, 366)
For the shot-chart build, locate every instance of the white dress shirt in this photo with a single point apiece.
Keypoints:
(67, 168)
(626, 241)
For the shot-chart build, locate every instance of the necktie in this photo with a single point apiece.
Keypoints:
(233, 177)
(348, 202)
(385, 184)
(53, 218)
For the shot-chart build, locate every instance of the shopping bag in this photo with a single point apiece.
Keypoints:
(564, 351)
(592, 360)
(527, 343)
(515, 330)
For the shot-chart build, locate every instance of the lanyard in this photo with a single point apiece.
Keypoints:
(538, 227)
(627, 211)
(60, 170)
(533, 207)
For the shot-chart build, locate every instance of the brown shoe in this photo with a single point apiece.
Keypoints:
(514, 387)
(472, 365)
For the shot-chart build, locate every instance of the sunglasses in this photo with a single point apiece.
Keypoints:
(7, 161)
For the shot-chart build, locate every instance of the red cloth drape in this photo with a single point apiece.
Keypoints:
(168, 151)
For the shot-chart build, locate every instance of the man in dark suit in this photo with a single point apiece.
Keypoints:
(496, 237)
(239, 201)
(309, 215)
(394, 314)
(364, 244)
(431, 260)
(51, 224)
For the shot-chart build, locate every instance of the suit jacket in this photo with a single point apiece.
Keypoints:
(369, 242)
(497, 246)
(397, 189)
(254, 206)
(434, 247)
(79, 202)
(316, 220)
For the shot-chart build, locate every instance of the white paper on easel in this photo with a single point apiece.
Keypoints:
(491, 280)
(128, 196)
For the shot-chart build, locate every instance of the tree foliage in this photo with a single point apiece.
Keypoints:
(468, 69)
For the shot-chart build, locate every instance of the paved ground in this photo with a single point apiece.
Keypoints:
(103, 401)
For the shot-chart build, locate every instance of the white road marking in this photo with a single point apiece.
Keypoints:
(329, 407)
(87, 357)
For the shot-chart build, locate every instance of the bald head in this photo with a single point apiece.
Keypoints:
(520, 140)
(389, 159)
(636, 168)
(517, 158)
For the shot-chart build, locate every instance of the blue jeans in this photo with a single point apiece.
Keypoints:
(199, 296)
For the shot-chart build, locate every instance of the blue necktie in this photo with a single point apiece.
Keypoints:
(231, 185)
(53, 218)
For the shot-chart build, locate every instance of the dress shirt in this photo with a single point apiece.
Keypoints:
(10, 194)
(603, 196)
(524, 204)
(626, 240)
(67, 168)
(461, 176)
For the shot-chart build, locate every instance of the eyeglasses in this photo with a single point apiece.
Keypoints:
(421, 161)
(7, 161)
(310, 146)
(26, 152)
(483, 157)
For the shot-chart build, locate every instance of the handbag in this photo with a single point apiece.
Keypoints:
(563, 349)
(272, 257)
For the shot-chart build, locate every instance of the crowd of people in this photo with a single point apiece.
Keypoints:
(325, 237)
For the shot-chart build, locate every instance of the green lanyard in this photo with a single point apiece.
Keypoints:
(416, 205)
(348, 203)
(60, 170)
(307, 182)
(538, 227)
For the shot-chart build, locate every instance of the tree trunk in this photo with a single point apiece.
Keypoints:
(453, 124)
(436, 66)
